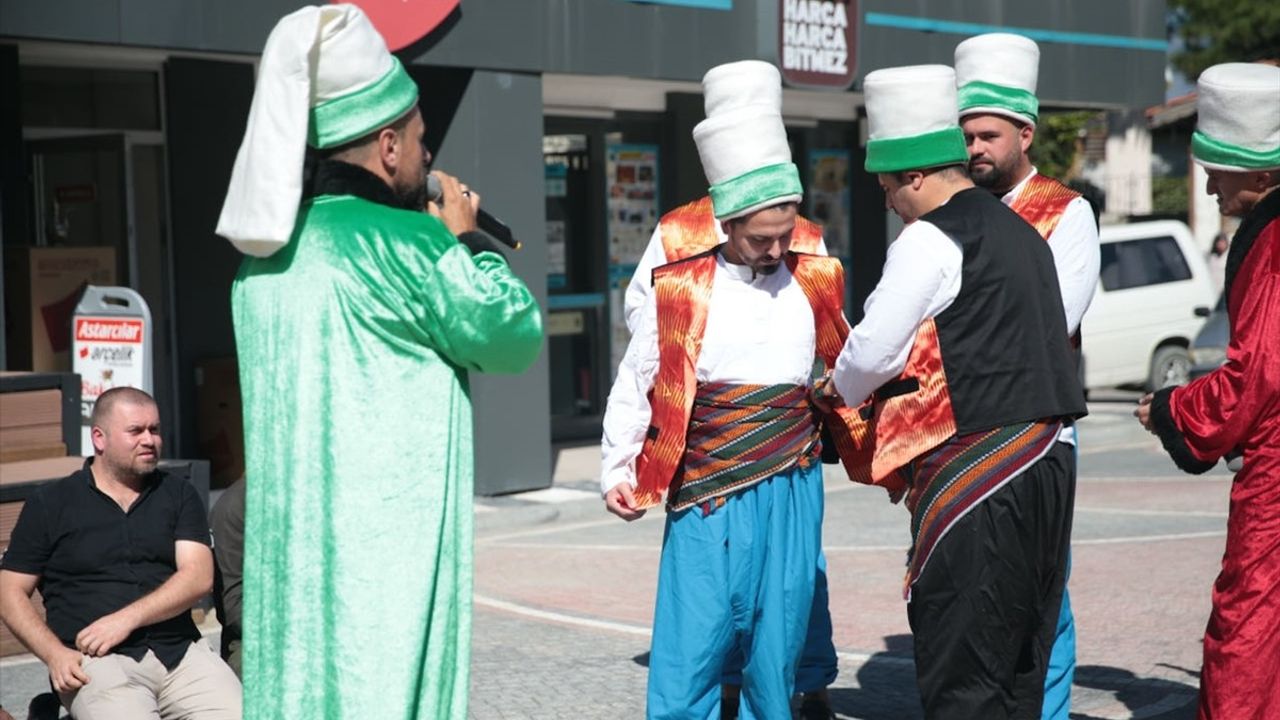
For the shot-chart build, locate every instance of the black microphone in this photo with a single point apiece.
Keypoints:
(488, 223)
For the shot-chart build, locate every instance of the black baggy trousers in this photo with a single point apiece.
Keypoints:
(985, 609)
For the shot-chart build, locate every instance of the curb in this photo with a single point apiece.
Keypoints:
(510, 513)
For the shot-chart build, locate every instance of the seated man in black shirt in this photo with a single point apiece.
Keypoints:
(120, 553)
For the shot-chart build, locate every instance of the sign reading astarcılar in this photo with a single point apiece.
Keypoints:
(108, 353)
(817, 42)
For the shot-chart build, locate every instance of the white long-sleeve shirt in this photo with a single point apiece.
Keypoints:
(921, 278)
(655, 255)
(1076, 254)
(759, 331)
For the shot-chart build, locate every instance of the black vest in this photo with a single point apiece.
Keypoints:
(1003, 340)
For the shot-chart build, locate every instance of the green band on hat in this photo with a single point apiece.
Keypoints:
(940, 147)
(753, 188)
(343, 119)
(978, 94)
(1209, 150)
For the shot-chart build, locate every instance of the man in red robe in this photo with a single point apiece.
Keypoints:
(1235, 410)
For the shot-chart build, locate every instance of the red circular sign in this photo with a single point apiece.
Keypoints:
(404, 22)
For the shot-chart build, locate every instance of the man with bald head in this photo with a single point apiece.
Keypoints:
(120, 553)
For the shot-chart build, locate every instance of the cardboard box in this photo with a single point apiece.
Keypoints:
(219, 422)
(42, 287)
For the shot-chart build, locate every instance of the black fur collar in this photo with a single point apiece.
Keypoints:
(1263, 213)
(334, 177)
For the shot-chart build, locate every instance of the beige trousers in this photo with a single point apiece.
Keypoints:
(201, 687)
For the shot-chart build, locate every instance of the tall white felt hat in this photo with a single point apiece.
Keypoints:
(912, 120)
(996, 73)
(1238, 126)
(747, 160)
(325, 79)
(746, 82)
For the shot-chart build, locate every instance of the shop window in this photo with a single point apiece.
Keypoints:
(66, 97)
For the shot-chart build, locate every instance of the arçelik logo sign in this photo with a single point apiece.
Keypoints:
(91, 329)
(404, 22)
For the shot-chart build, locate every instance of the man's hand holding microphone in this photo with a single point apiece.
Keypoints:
(459, 208)
(451, 201)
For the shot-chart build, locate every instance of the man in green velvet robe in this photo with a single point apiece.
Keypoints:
(355, 331)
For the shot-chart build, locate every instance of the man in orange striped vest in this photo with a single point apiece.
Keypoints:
(710, 413)
(996, 74)
(736, 84)
(962, 369)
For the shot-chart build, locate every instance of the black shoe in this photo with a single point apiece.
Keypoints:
(730, 698)
(44, 707)
(816, 706)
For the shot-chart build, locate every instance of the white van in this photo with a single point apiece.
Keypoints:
(1152, 297)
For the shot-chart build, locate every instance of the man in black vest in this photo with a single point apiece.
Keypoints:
(964, 363)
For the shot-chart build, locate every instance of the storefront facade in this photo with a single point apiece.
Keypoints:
(572, 117)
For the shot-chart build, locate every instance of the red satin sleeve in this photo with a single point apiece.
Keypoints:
(1224, 409)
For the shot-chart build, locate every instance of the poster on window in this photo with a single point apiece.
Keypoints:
(631, 185)
(829, 198)
(557, 174)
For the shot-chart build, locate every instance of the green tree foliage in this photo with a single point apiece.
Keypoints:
(1218, 31)
(1169, 196)
(1054, 150)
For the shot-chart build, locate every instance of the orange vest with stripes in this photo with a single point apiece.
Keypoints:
(905, 418)
(1042, 202)
(690, 229)
(683, 292)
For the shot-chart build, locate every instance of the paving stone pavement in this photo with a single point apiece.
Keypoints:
(564, 592)
(564, 601)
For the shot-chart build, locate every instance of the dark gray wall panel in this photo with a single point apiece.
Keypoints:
(207, 105)
(77, 20)
(681, 182)
(1069, 73)
(622, 38)
(1137, 18)
(494, 144)
(615, 37)
(205, 25)
(869, 231)
(612, 37)
(13, 182)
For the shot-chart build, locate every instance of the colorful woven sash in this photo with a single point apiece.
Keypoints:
(683, 291)
(947, 482)
(740, 435)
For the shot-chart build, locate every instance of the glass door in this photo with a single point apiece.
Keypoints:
(102, 199)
